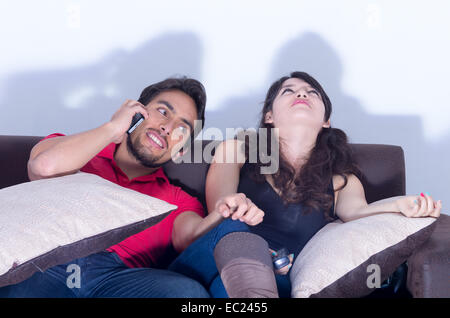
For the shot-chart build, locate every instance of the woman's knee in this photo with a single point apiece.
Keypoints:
(229, 226)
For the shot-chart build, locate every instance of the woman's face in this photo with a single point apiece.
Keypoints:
(297, 104)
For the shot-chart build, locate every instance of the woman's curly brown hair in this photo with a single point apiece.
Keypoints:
(331, 155)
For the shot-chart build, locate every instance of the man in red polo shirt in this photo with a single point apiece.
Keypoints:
(131, 268)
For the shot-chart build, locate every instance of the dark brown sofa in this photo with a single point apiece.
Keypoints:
(383, 168)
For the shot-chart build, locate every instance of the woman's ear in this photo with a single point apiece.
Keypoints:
(268, 118)
(327, 124)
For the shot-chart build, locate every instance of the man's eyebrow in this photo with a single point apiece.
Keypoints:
(168, 105)
(172, 109)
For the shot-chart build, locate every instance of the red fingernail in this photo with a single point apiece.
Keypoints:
(422, 195)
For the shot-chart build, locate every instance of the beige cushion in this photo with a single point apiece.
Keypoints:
(337, 261)
(53, 221)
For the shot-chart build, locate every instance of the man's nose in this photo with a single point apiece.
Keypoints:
(166, 129)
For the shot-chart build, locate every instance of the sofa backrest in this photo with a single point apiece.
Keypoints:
(14, 155)
(383, 166)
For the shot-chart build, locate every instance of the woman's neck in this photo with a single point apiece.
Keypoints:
(296, 145)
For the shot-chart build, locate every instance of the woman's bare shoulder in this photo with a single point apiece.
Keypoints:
(230, 151)
(339, 181)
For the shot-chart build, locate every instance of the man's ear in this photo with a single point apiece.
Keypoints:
(268, 118)
(177, 151)
(182, 152)
(327, 124)
(177, 155)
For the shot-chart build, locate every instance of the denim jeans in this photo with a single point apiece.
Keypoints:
(197, 261)
(192, 274)
(105, 275)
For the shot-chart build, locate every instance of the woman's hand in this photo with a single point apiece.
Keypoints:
(422, 205)
(239, 207)
(284, 270)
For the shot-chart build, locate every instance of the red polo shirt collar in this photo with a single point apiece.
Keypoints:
(108, 153)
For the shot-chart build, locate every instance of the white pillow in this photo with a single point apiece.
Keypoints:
(343, 259)
(53, 221)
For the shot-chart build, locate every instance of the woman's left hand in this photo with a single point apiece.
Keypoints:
(284, 270)
(422, 205)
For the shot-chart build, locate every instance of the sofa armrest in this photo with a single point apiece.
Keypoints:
(429, 266)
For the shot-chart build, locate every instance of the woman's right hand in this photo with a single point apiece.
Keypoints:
(239, 207)
(422, 205)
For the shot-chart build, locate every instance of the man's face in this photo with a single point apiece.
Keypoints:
(170, 123)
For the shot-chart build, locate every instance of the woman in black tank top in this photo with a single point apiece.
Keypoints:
(295, 189)
(281, 186)
(283, 226)
(309, 180)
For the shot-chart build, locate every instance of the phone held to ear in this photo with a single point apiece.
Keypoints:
(138, 118)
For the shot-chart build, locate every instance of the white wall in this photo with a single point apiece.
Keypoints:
(66, 66)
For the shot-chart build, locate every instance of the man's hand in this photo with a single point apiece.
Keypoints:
(422, 205)
(121, 120)
(239, 207)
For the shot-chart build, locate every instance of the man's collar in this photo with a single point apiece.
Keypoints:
(108, 153)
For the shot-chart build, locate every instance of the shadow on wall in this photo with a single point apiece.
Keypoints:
(79, 99)
(309, 52)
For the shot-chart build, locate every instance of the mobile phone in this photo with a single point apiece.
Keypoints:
(138, 118)
(281, 259)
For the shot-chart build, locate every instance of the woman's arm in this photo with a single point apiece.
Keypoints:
(221, 186)
(223, 174)
(222, 198)
(351, 203)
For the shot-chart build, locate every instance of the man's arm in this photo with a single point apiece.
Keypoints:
(67, 154)
(189, 226)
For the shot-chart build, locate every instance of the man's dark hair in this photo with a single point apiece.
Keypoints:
(189, 86)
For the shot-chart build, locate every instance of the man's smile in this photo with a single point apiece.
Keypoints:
(156, 140)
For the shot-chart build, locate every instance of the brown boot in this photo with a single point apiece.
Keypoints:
(245, 266)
